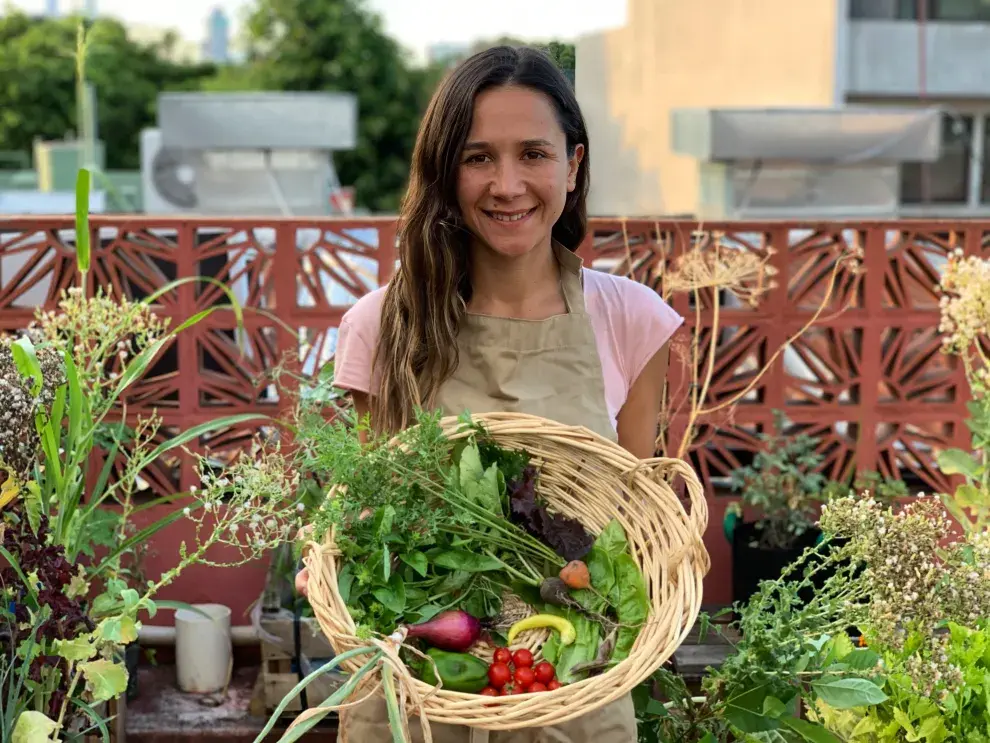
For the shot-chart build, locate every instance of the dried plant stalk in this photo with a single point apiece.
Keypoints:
(712, 266)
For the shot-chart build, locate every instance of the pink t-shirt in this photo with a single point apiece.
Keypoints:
(630, 320)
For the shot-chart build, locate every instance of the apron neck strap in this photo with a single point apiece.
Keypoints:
(570, 277)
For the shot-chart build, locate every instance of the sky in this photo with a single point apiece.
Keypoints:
(415, 23)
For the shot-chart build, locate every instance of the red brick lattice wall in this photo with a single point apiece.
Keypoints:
(871, 382)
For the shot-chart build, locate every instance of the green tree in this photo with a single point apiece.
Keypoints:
(561, 52)
(37, 83)
(340, 45)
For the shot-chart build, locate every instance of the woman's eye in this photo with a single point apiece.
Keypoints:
(534, 155)
(475, 159)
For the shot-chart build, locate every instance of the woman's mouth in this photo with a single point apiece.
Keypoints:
(509, 218)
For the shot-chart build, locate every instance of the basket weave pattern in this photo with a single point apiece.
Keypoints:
(593, 480)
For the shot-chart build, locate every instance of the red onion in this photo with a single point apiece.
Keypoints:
(455, 631)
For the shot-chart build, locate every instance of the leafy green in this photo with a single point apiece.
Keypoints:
(631, 602)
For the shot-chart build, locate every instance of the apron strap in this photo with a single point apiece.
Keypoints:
(479, 735)
(570, 278)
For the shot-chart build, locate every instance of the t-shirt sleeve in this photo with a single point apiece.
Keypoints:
(352, 360)
(357, 338)
(649, 323)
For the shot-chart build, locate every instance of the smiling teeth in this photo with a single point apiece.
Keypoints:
(507, 217)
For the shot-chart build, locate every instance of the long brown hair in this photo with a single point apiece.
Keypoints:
(426, 299)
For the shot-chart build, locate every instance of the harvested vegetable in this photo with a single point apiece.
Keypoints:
(499, 674)
(524, 676)
(457, 671)
(522, 658)
(554, 591)
(451, 543)
(451, 630)
(575, 575)
(564, 535)
(538, 621)
(544, 672)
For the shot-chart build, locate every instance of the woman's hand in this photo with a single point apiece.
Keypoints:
(302, 582)
(302, 577)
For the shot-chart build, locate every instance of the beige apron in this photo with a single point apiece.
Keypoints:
(549, 368)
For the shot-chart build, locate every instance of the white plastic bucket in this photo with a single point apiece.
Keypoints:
(203, 650)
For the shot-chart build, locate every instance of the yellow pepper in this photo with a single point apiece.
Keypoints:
(565, 628)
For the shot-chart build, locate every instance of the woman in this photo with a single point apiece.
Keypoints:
(491, 310)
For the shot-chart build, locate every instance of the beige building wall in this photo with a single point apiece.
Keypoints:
(693, 54)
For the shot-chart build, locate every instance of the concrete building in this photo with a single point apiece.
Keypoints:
(216, 48)
(658, 92)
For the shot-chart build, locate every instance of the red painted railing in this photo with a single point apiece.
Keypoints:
(870, 382)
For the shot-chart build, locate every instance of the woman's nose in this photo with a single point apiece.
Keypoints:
(508, 181)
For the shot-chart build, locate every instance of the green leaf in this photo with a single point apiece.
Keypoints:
(468, 562)
(32, 505)
(105, 679)
(632, 604)
(83, 181)
(839, 647)
(810, 731)
(970, 496)
(26, 360)
(958, 462)
(773, 707)
(861, 659)
(417, 561)
(612, 539)
(191, 434)
(392, 596)
(34, 727)
(481, 486)
(75, 650)
(120, 629)
(470, 468)
(745, 710)
(846, 693)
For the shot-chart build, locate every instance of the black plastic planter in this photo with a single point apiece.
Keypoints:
(132, 655)
(752, 565)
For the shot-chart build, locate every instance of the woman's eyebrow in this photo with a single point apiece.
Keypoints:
(525, 143)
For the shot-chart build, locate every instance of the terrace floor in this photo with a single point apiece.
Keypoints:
(163, 714)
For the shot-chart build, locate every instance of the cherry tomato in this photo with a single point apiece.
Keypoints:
(554, 685)
(489, 691)
(503, 655)
(535, 687)
(499, 675)
(544, 672)
(522, 658)
(524, 676)
(507, 690)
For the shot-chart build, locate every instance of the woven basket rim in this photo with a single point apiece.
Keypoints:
(687, 565)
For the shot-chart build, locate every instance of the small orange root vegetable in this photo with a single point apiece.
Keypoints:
(575, 575)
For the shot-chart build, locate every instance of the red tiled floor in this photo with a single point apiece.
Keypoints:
(163, 714)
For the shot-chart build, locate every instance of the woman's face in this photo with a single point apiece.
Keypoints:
(514, 173)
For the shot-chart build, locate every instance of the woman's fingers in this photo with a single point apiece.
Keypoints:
(302, 581)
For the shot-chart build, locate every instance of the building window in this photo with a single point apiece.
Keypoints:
(945, 181)
(959, 10)
(884, 10)
(965, 11)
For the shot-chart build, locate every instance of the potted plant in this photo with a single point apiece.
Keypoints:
(783, 485)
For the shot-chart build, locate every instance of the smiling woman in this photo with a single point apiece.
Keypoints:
(491, 308)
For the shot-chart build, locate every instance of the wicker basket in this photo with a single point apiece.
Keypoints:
(594, 480)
